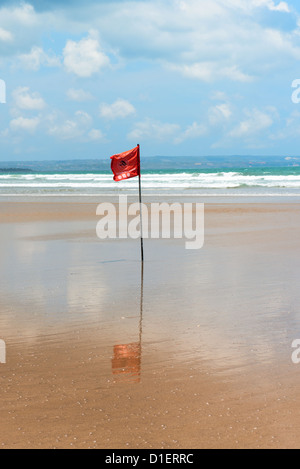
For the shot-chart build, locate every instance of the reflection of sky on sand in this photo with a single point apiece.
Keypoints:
(236, 306)
(50, 275)
(227, 308)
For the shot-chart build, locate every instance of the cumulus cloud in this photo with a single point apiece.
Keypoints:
(290, 129)
(85, 58)
(23, 13)
(72, 129)
(95, 135)
(5, 36)
(20, 28)
(212, 41)
(28, 101)
(37, 58)
(210, 72)
(25, 124)
(120, 109)
(193, 131)
(203, 39)
(78, 95)
(220, 113)
(154, 130)
(255, 122)
(248, 5)
(281, 6)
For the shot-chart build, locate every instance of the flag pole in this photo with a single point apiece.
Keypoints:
(140, 199)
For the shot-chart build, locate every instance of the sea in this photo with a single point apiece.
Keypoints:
(88, 181)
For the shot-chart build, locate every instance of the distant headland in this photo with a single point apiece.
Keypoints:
(154, 163)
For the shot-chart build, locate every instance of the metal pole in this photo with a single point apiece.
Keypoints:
(140, 199)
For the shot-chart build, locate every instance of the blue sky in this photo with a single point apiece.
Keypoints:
(180, 77)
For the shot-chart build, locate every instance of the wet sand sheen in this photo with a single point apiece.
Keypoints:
(204, 361)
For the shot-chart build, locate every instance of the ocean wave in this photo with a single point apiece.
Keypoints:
(168, 181)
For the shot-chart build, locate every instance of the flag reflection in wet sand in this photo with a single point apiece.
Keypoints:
(126, 364)
(127, 360)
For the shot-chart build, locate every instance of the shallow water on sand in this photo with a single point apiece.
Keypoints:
(196, 352)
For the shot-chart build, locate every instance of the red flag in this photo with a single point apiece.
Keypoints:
(126, 165)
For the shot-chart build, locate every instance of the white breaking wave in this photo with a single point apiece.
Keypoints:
(184, 181)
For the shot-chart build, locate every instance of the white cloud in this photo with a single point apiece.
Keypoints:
(84, 58)
(154, 130)
(210, 72)
(251, 5)
(219, 113)
(79, 95)
(204, 39)
(28, 101)
(36, 58)
(270, 4)
(5, 36)
(70, 129)
(200, 71)
(119, 109)
(25, 14)
(95, 134)
(256, 122)
(233, 73)
(20, 28)
(290, 129)
(25, 124)
(193, 131)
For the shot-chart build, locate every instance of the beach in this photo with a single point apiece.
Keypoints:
(194, 354)
(150, 226)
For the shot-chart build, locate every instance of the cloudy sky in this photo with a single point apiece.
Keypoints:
(180, 77)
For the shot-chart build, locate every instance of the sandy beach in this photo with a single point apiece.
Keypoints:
(199, 356)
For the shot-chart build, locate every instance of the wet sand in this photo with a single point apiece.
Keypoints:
(200, 357)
